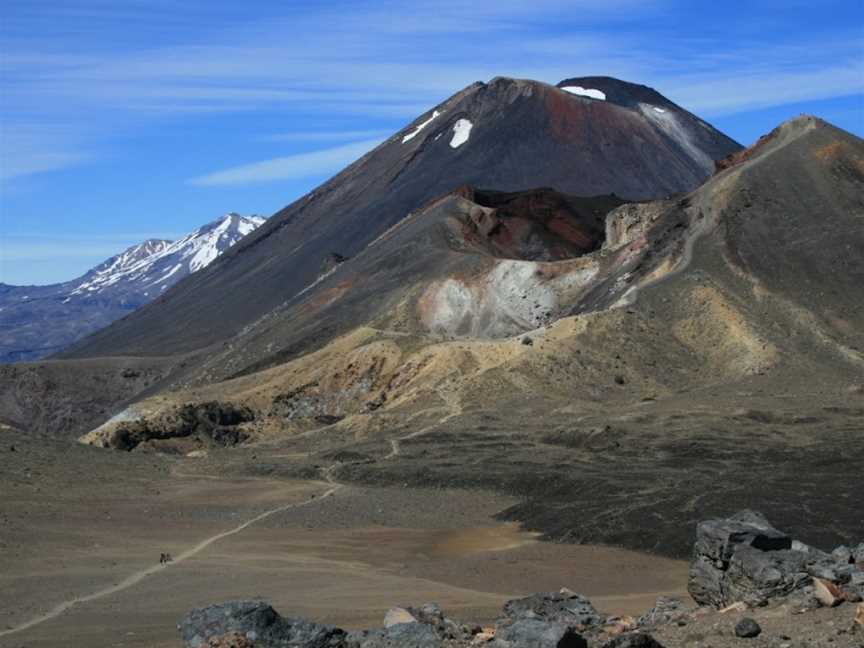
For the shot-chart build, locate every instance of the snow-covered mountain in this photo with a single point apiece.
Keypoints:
(36, 321)
(153, 266)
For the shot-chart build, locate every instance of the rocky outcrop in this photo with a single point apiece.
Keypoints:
(401, 634)
(211, 422)
(538, 633)
(630, 222)
(745, 559)
(258, 623)
(563, 607)
(549, 620)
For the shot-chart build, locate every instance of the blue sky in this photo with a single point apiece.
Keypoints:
(127, 119)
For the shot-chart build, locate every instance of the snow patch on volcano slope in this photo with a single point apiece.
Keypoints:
(585, 92)
(420, 127)
(672, 125)
(461, 132)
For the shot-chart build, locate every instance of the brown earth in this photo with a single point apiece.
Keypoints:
(79, 521)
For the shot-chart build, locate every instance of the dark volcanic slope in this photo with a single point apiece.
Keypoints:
(506, 135)
(464, 233)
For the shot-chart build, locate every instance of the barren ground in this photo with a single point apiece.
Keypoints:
(79, 522)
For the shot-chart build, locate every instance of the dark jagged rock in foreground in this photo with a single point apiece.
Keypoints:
(741, 560)
(258, 623)
(745, 559)
(534, 626)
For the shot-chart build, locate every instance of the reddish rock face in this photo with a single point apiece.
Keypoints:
(739, 157)
(535, 225)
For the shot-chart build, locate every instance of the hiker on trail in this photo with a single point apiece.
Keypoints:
(165, 558)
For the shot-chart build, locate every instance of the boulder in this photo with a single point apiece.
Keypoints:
(257, 622)
(401, 635)
(398, 615)
(827, 593)
(633, 640)
(743, 558)
(431, 615)
(842, 554)
(804, 600)
(747, 628)
(564, 607)
(859, 615)
(538, 633)
(854, 588)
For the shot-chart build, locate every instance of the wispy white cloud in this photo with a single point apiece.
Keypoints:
(302, 165)
(762, 88)
(327, 136)
(27, 163)
(26, 149)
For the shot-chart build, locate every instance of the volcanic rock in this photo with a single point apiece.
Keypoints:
(843, 554)
(431, 615)
(743, 558)
(633, 640)
(259, 623)
(209, 421)
(562, 607)
(538, 633)
(417, 635)
(747, 628)
(397, 615)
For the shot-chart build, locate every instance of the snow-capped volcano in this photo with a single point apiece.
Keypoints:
(38, 320)
(153, 266)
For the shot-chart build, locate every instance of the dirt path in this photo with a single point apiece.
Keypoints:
(453, 410)
(138, 576)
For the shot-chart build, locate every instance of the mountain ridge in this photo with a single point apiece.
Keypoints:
(36, 321)
(524, 134)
